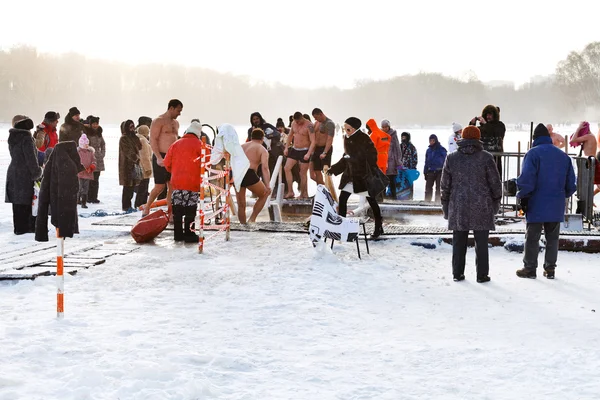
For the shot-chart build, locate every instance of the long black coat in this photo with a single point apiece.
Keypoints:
(23, 169)
(360, 152)
(471, 188)
(59, 191)
(129, 155)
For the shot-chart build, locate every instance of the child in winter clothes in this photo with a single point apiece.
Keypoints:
(183, 164)
(88, 160)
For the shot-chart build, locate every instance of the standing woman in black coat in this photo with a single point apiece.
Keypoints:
(22, 171)
(359, 154)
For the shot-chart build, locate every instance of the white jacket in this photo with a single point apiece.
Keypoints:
(452, 146)
(227, 140)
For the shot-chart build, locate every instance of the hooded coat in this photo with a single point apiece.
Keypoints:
(394, 154)
(23, 169)
(143, 133)
(492, 132)
(382, 142)
(408, 153)
(59, 190)
(99, 145)
(547, 179)
(70, 130)
(129, 156)
(361, 154)
(435, 156)
(471, 188)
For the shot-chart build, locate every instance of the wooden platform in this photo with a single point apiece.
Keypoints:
(27, 261)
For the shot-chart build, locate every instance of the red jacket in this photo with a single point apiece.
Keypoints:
(179, 161)
(382, 143)
(51, 138)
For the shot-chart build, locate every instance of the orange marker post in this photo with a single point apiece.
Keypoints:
(60, 278)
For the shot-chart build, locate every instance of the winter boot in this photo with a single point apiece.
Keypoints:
(178, 223)
(189, 235)
(483, 279)
(458, 278)
(527, 273)
(84, 201)
(549, 273)
(378, 231)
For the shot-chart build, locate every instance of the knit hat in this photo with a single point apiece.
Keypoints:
(354, 122)
(385, 122)
(405, 135)
(540, 131)
(471, 132)
(195, 128)
(74, 111)
(456, 127)
(143, 130)
(83, 140)
(51, 116)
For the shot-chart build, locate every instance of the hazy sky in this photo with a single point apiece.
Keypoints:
(314, 42)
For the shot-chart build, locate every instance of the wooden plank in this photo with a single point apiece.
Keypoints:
(49, 255)
(32, 273)
(25, 249)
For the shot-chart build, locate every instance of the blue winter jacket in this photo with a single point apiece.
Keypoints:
(435, 156)
(547, 179)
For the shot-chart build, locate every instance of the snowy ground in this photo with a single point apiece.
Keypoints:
(265, 316)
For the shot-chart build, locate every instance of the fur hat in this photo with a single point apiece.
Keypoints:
(93, 119)
(73, 111)
(195, 128)
(471, 132)
(22, 122)
(540, 131)
(354, 122)
(83, 140)
(51, 116)
(143, 130)
(456, 127)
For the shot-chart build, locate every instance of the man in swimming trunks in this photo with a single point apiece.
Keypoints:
(258, 156)
(164, 131)
(299, 149)
(324, 133)
(557, 139)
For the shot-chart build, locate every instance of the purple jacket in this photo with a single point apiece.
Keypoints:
(88, 160)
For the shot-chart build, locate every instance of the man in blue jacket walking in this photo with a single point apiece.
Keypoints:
(547, 180)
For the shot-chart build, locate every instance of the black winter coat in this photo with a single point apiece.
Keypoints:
(471, 188)
(70, 130)
(59, 190)
(359, 154)
(23, 169)
(492, 132)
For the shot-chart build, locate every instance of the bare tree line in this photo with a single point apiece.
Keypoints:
(33, 83)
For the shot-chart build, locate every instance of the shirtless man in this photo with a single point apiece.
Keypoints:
(324, 133)
(557, 139)
(163, 133)
(300, 147)
(257, 155)
(584, 136)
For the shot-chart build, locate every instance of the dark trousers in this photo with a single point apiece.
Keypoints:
(126, 197)
(532, 244)
(93, 189)
(343, 209)
(430, 179)
(498, 161)
(392, 179)
(84, 187)
(23, 221)
(459, 252)
(141, 196)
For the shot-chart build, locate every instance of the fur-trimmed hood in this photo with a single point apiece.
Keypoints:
(495, 111)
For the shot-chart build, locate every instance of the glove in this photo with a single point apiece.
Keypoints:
(329, 173)
(523, 205)
(92, 168)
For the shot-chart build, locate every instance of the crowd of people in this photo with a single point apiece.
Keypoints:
(466, 176)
